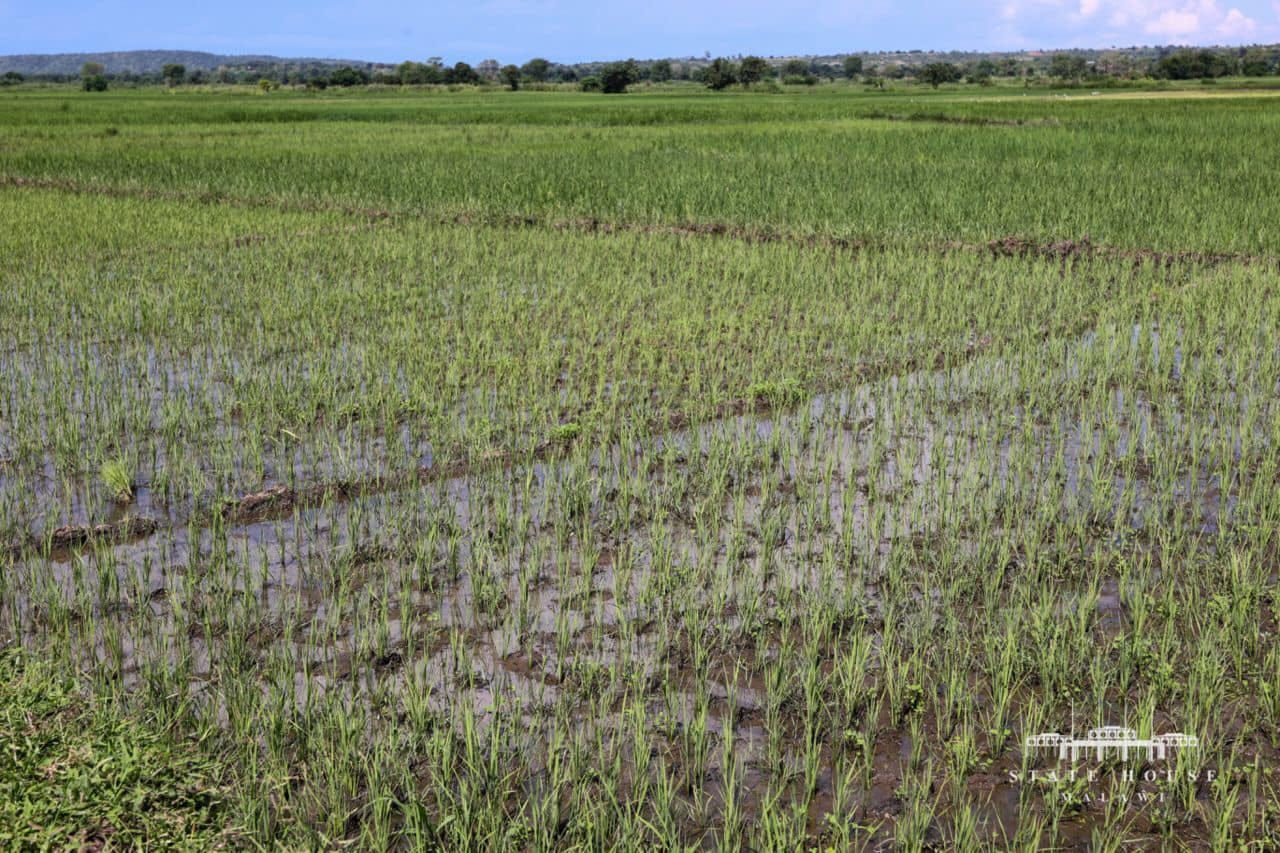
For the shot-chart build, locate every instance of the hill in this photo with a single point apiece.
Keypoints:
(146, 61)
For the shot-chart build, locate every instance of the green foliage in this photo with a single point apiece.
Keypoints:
(536, 69)
(852, 66)
(117, 475)
(174, 73)
(617, 76)
(77, 775)
(418, 73)
(786, 393)
(462, 74)
(1192, 65)
(1258, 62)
(798, 72)
(511, 76)
(94, 83)
(660, 70)
(753, 69)
(348, 76)
(720, 74)
(1068, 66)
(566, 432)
(937, 73)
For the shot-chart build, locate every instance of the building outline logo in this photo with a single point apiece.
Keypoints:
(1116, 740)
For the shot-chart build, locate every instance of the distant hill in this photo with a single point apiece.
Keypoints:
(146, 61)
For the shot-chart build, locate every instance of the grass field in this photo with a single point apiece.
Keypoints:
(548, 470)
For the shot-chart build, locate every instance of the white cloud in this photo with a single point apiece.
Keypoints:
(1127, 21)
(1174, 24)
(1237, 25)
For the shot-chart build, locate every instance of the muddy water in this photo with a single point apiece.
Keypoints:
(517, 587)
(829, 439)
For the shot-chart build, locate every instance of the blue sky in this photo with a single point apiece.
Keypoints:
(573, 30)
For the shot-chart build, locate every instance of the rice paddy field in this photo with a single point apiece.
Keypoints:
(532, 471)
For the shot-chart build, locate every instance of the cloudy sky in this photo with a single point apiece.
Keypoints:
(575, 30)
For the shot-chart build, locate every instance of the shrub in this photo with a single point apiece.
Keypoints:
(720, 74)
(617, 76)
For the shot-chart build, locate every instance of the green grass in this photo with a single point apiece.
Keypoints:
(77, 774)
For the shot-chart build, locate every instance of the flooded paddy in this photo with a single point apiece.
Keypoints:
(747, 609)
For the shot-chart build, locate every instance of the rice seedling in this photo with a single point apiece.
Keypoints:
(118, 478)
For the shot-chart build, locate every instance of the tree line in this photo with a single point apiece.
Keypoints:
(720, 73)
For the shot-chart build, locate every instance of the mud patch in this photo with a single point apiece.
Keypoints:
(76, 536)
(974, 121)
(1013, 246)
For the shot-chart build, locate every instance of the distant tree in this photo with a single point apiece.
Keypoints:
(92, 69)
(720, 74)
(94, 83)
(461, 72)
(348, 76)
(511, 76)
(173, 73)
(753, 69)
(937, 73)
(11, 78)
(660, 70)
(536, 69)
(196, 76)
(1114, 63)
(798, 71)
(795, 67)
(590, 83)
(617, 76)
(1067, 66)
(852, 66)
(1192, 64)
(266, 85)
(982, 72)
(1256, 63)
(418, 73)
(488, 69)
